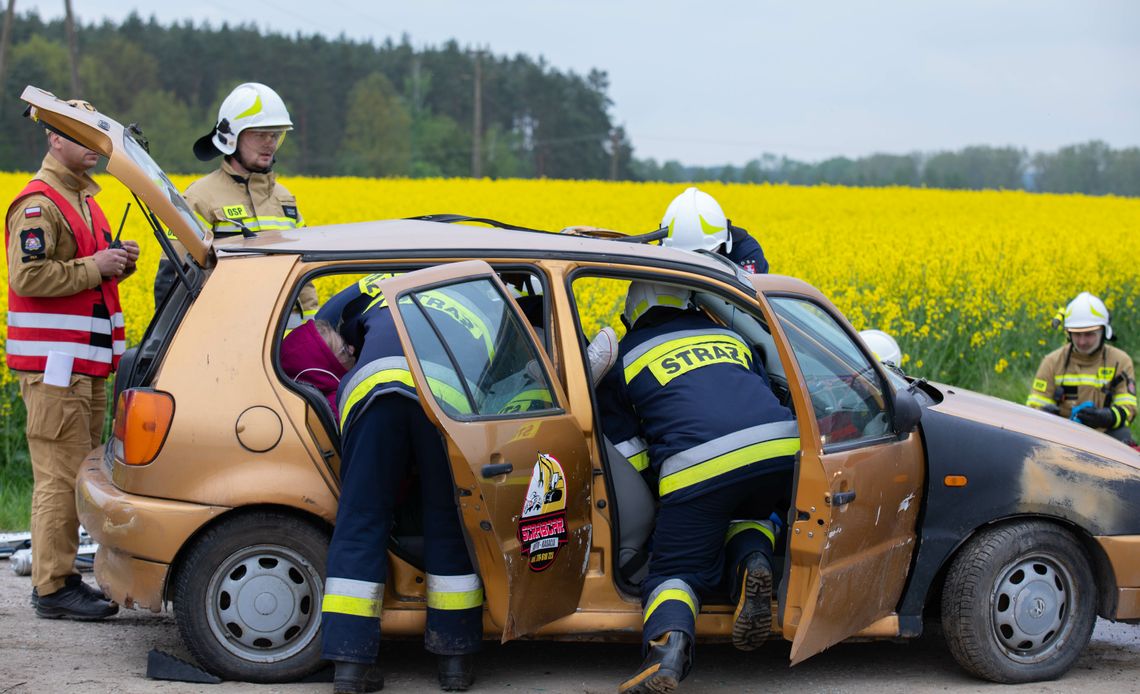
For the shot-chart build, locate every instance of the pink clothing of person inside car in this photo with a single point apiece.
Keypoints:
(307, 357)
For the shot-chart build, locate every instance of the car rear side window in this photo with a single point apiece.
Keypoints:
(846, 390)
(478, 359)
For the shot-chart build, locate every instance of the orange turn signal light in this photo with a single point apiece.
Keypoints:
(142, 421)
(954, 480)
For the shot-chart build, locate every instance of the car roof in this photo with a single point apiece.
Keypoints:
(418, 238)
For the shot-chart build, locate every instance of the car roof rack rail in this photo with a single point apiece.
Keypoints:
(592, 232)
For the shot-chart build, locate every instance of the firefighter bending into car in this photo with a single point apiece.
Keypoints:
(696, 222)
(243, 194)
(65, 319)
(1088, 380)
(385, 433)
(689, 403)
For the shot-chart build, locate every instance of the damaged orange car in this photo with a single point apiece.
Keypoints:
(912, 501)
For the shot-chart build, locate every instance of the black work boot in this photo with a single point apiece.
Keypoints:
(73, 602)
(75, 580)
(357, 678)
(456, 672)
(752, 593)
(666, 664)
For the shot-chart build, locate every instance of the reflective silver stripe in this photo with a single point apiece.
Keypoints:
(631, 447)
(728, 443)
(672, 584)
(32, 348)
(59, 321)
(118, 321)
(635, 353)
(373, 367)
(453, 584)
(119, 346)
(352, 588)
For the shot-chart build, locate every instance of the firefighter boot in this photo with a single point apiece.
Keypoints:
(752, 593)
(456, 672)
(357, 678)
(666, 664)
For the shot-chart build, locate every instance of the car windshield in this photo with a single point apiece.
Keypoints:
(139, 155)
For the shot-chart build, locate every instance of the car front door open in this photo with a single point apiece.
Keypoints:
(520, 461)
(858, 486)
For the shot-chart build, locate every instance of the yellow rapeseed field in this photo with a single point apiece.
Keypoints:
(967, 281)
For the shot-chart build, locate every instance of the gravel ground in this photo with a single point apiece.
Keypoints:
(39, 655)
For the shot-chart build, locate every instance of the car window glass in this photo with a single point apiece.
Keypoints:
(470, 342)
(846, 391)
(135, 151)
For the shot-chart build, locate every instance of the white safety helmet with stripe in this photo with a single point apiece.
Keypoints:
(882, 345)
(695, 221)
(250, 106)
(643, 296)
(1086, 313)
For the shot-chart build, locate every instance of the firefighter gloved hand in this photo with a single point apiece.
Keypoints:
(1095, 417)
(1050, 409)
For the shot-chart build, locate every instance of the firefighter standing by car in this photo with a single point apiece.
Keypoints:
(64, 318)
(696, 222)
(690, 405)
(242, 195)
(1088, 380)
(385, 432)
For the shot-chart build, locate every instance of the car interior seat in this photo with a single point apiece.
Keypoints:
(636, 507)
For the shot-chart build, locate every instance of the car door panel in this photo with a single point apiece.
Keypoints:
(531, 546)
(858, 486)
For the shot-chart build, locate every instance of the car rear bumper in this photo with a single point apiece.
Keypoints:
(139, 537)
(1123, 553)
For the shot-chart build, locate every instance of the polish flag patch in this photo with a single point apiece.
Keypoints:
(32, 211)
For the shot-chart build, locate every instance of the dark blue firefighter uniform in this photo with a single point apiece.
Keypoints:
(690, 406)
(746, 251)
(385, 433)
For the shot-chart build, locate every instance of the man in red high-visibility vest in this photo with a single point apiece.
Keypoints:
(65, 336)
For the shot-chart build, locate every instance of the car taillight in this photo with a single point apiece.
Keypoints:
(142, 420)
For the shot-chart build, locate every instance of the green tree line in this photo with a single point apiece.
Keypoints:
(389, 109)
(359, 108)
(1093, 168)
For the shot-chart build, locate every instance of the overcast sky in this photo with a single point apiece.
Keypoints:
(726, 80)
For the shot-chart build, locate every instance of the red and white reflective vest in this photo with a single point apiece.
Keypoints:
(87, 325)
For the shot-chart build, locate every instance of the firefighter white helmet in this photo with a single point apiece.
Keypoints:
(250, 106)
(882, 345)
(643, 296)
(1086, 313)
(695, 221)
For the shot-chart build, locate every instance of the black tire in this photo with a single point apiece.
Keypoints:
(247, 597)
(1019, 603)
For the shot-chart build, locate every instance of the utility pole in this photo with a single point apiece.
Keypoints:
(73, 49)
(614, 144)
(5, 38)
(477, 128)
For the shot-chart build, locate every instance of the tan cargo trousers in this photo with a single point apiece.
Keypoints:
(64, 424)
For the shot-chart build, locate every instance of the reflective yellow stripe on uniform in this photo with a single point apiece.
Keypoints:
(1035, 400)
(673, 589)
(1080, 380)
(529, 401)
(454, 592)
(360, 391)
(674, 354)
(764, 527)
(727, 453)
(394, 370)
(352, 597)
(1126, 400)
(636, 451)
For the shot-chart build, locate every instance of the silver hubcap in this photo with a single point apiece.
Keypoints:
(1031, 604)
(264, 603)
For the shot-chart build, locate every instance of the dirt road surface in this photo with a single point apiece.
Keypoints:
(38, 655)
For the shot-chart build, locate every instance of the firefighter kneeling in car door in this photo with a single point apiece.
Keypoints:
(1087, 380)
(689, 403)
(384, 433)
(63, 318)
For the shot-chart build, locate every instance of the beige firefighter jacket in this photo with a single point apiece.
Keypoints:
(1067, 378)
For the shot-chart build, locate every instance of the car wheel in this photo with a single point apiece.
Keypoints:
(247, 597)
(1019, 603)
